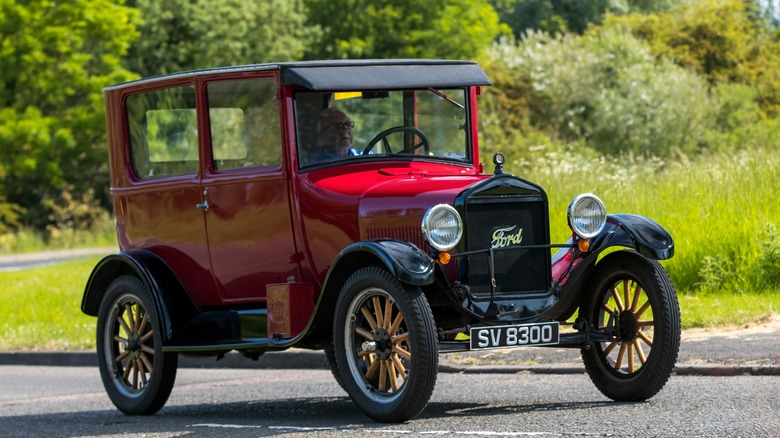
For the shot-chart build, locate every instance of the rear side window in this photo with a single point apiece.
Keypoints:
(163, 132)
(244, 123)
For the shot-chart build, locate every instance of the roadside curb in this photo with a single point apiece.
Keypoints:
(305, 359)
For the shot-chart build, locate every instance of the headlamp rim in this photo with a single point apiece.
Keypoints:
(426, 227)
(569, 215)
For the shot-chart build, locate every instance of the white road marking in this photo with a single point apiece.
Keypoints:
(374, 431)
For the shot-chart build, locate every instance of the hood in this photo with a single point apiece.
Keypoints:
(345, 204)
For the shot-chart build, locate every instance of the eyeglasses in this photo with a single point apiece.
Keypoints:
(338, 125)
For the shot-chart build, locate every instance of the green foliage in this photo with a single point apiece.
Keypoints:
(190, 34)
(56, 57)
(716, 272)
(403, 29)
(769, 255)
(77, 214)
(718, 39)
(561, 16)
(604, 90)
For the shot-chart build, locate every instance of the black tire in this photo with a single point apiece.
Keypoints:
(137, 375)
(330, 358)
(394, 379)
(640, 289)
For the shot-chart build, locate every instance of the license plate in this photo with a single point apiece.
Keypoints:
(502, 336)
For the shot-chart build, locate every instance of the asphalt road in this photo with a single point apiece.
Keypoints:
(19, 262)
(70, 401)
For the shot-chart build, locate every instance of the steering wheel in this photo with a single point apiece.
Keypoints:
(387, 132)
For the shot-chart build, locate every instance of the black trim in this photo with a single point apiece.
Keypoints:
(167, 290)
(384, 76)
(405, 261)
(365, 74)
(648, 237)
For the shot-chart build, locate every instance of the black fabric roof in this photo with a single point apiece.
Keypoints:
(382, 74)
(346, 75)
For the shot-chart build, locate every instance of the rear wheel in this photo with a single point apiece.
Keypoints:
(385, 344)
(137, 375)
(639, 296)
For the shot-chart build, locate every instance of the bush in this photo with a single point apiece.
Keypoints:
(769, 257)
(604, 88)
(722, 40)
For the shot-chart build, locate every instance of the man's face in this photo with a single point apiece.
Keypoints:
(336, 133)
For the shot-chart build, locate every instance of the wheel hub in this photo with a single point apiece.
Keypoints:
(384, 343)
(628, 325)
(133, 345)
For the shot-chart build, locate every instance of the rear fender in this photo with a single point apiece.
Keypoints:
(165, 287)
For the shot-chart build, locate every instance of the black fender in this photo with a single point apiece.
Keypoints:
(405, 261)
(408, 263)
(624, 230)
(167, 290)
(645, 235)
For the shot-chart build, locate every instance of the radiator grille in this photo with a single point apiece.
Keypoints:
(405, 233)
(515, 270)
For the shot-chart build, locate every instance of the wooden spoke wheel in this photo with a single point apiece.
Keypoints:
(636, 294)
(385, 345)
(137, 375)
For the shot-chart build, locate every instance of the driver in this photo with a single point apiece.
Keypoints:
(335, 135)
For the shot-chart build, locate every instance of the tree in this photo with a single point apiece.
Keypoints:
(189, 34)
(719, 39)
(561, 16)
(56, 57)
(403, 28)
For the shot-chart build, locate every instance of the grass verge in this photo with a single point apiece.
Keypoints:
(42, 308)
(27, 240)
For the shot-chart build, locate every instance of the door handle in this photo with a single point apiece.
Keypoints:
(204, 206)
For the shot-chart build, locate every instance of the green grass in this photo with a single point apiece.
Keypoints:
(41, 308)
(721, 210)
(708, 309)
(27, 240)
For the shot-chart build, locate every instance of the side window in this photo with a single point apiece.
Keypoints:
(163, 132)
(244, 123)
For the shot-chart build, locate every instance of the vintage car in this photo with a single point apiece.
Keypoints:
(242, 228)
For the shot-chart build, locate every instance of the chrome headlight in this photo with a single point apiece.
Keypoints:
(442, 227)
(587, 215)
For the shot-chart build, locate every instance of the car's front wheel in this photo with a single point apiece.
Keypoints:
(386, 345)
(637, 295)
(137, 375)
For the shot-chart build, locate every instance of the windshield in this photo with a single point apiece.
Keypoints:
(376, 125)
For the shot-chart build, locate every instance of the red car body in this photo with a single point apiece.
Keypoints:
(239, 230)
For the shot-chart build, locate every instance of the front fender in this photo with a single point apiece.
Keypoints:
(405, 261)
(624, 230)
(639, 232)
(408, 263)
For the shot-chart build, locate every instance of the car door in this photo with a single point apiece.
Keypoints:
(248, 220)
(156, 202)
